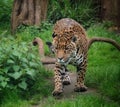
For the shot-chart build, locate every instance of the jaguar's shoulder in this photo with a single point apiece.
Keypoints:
(67, 25)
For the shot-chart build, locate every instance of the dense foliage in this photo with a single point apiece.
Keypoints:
(18, 64)
(82, 11)
(20, 68)
(5, 10)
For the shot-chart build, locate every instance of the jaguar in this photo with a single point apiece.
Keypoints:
(70, 45)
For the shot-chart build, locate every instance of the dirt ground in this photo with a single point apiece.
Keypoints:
(69, 89)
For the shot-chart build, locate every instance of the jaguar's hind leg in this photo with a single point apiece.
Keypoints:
(81, 69)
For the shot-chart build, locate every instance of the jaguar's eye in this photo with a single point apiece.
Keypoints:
(56, 48)
(66, 48)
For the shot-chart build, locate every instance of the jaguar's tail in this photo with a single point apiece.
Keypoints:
(107, 40)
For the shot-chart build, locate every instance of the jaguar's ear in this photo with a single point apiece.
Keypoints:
(49, 44)
(54, 35)
(74, 39)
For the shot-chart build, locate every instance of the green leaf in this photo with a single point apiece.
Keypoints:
(24, 65)
(15, 75)
(24, 60)
(33, 56)
(23, 85)
(6, 69)
(3, 84)
(15, 53)
(16, 68)
(33, 64)
(1, 78)
(10, 61)
(31, 73)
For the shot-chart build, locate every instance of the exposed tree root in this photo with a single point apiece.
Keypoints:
(44, 59)
(100, 39)
(48, 60)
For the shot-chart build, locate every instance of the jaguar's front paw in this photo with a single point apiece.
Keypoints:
(80, 89)
(57, 92)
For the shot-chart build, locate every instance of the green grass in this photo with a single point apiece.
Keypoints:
(12, 98)
(78, 101)
(104, 64)
(103, 73)
(16, 103)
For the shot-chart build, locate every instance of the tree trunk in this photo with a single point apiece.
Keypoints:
(118, 16)
(111, 11)
(28, 12)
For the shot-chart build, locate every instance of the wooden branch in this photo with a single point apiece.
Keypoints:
(100, 39)
(48, 60)
(44, 59)
(39, 42)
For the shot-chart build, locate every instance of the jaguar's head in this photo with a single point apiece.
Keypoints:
(64, 48)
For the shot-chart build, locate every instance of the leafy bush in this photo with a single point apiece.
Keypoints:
(22, 75)
(28, 33)
(18, 64)
(34, 30)
(5, 14)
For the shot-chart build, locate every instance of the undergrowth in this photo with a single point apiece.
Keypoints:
(102, 72)
(22, 76)
(83, 11)
(78, 101)
(104, 63)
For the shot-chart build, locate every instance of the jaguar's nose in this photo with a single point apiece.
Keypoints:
(60, 59)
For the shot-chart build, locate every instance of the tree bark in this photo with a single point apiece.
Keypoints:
(111, 11)
(28, 12)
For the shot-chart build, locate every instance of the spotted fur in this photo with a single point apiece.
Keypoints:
(70, 46)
